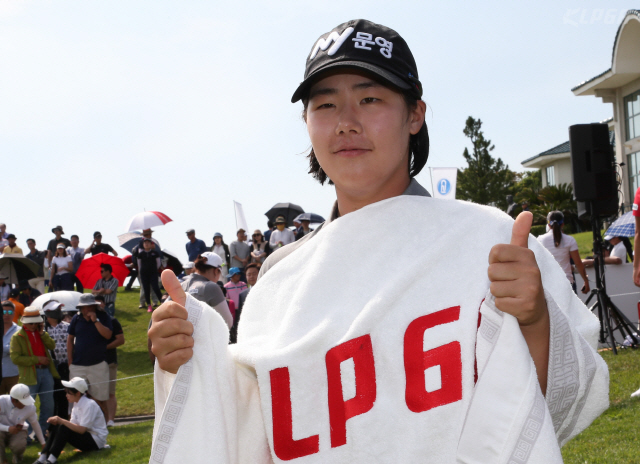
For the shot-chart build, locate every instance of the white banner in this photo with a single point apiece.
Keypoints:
(241, 222)
(444, 182)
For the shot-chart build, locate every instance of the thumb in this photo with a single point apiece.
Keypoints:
(521, 229)
(172, 285)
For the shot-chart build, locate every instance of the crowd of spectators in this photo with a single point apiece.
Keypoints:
(67, 356)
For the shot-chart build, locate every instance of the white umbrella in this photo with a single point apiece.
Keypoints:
(147, 220)
(67, 298)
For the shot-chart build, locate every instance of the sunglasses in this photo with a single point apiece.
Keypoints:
(257, 235)
(7, 311)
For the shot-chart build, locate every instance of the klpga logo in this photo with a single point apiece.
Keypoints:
(444, 186)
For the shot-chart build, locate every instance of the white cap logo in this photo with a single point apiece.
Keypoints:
(323, 44)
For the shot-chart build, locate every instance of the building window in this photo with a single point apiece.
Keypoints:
(551, 179)
(632, 115)
(633, 166)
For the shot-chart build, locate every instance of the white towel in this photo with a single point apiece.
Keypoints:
(338, 361)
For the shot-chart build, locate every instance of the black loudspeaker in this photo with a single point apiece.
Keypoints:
(593, 170)
(601, 208)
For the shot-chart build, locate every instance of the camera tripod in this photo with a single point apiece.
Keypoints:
(610, 316)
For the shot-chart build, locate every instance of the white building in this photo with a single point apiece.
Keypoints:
(620, 86)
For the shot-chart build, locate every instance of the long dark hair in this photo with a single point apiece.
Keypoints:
(555, 220)
(418, 144)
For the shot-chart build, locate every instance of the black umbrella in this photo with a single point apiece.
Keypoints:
(17, 268)
(288, 210)
(173, 262)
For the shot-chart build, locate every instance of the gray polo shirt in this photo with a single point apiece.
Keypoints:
(202, 289)
(414, 189)
(240, 249)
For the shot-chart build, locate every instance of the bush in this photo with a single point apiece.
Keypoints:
(538, 230)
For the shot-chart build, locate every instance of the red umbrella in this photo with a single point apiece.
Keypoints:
(89, 270)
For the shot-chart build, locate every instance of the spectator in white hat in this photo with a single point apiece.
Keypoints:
(30, 351)
(16, 408)
(202, 284)
(86, 430)
(189, 269)
(617, 255)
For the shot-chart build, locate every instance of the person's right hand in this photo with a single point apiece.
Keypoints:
(43, 360)
(14, 429)
(636, 276)
(170, 333)
(586, 288)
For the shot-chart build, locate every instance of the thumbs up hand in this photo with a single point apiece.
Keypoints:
(170, 332)
(515, 277)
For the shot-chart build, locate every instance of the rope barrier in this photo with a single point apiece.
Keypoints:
(98, 383)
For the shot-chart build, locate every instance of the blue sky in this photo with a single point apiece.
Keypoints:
(110, 108)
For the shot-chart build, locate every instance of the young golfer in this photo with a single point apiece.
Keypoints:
(451, 359)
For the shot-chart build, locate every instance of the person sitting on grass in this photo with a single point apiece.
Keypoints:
(16, 408)
(86, 430)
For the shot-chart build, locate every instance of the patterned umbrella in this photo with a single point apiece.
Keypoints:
(313, 218)
(624, 226)
(147, 220)
(89, 270)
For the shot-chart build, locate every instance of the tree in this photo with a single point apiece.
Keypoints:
(486, 180)
(527, 190)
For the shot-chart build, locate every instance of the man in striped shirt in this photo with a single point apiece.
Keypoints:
(107, 286)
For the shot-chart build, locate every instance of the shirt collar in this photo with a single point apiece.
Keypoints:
(196, 276)
(414, 189)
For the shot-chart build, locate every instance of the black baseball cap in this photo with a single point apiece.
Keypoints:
(97, 234)
(361, 44)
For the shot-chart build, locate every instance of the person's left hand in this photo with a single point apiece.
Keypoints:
(515, 277)
(53, 420)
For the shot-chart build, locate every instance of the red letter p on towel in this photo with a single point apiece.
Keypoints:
(340, 411)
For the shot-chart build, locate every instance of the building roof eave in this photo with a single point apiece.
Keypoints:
(539, 161)
(609, 79)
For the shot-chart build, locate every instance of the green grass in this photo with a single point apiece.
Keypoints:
(613, 437)
(585, 243)
(135, 396)
(129, 444)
